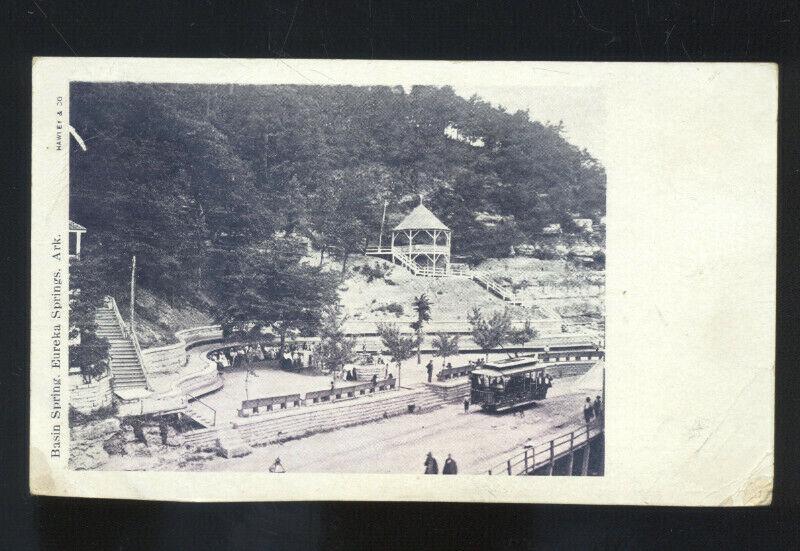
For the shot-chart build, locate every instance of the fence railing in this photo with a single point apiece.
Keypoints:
(378, 250)
(493, 287)
(546, 454)
(204, 407)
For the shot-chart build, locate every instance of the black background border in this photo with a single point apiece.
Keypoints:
(634, 30)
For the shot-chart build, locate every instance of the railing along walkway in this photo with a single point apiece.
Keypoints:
(545, 455)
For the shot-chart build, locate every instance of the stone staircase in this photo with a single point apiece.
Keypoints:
(125, 365)
(201, 413)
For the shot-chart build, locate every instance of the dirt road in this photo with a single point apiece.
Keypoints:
(476, 440)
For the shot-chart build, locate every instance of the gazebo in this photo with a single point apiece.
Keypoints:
(421, 242)
(75, 233)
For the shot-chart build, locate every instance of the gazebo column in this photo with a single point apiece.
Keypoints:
(393, 236)
(447, 254)
(78, 245)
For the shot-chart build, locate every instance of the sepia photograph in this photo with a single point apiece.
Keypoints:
(362, 275)
(403, 279)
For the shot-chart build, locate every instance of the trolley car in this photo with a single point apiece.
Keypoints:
(506, 384)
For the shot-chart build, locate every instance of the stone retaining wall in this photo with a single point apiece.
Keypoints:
(454, 390)
(170, 358)
(87, 398)
(274, 428)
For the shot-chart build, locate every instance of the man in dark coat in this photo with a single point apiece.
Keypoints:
(466, 405)
(598, 407)
(588, 410)
(138, 432)
(431, 466)
(163, 430)
(450, 466)
(429, 368)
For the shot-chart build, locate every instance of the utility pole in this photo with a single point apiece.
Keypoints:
(383, 220)
(604, 408)
(133, 292)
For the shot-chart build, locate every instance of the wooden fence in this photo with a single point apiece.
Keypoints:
(545, 455)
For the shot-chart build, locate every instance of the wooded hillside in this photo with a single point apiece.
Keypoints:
(191, 178)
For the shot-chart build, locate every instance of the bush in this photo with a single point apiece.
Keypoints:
(76, 418)
(372, 273)
(392, 308)
(524, 284)
(600, 259)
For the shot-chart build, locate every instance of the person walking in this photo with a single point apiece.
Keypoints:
(466, 405)
(450, 466)
(588, 410)
(429, 368)
(138, 432)
(163, 430)
(431, 466)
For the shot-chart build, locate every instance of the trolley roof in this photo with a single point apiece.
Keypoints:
(506, 372)
(511, 366)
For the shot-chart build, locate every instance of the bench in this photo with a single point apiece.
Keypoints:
(316, 396)
(255, 406)
(572, 356)
(453, 372)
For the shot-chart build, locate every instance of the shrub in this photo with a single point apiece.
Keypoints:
(372, 273)
(76, 418)
(524, 284)
(392, 308)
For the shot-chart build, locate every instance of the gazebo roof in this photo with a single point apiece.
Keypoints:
(74, 226)
(421, 219)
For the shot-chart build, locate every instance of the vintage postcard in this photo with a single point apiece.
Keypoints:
(552, 281)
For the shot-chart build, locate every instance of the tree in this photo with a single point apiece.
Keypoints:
(445, 346)
(490, 333)
(89, 352)
(523, 335)
(422, 306)
(335, 348)
(400, 347)
(268, 287)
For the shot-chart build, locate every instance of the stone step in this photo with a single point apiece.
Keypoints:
(128, 377)
(129, 382)
(231, 444)
(128, 385)
(126, 370)
(127, 374)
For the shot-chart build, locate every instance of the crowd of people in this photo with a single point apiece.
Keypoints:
(295, 356)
